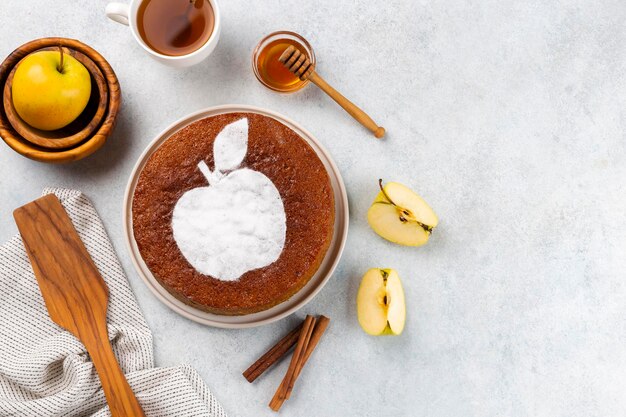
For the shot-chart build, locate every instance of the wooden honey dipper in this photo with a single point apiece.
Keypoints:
(297, 62)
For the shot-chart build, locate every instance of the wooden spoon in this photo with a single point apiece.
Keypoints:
(181, 24)
(297, 62)
(74, 292)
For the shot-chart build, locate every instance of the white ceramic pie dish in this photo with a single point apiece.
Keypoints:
(298, 300)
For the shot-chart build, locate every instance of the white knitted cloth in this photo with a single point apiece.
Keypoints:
(45, 371)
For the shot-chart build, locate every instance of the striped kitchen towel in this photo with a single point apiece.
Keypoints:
(45, 371)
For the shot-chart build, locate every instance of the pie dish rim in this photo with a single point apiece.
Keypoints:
(298, 300)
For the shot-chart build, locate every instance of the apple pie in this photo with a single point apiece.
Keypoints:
(234, 213)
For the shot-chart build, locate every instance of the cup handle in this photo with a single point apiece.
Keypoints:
(118, 12)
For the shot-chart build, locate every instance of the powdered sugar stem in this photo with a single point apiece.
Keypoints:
(211, 177)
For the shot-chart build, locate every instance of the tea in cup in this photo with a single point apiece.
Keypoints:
(179, 33)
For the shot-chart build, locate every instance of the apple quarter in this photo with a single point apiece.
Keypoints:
(233, 214)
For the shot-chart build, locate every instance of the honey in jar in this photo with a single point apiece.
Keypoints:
(269, 70)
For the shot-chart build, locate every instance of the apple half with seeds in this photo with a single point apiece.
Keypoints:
(380, 303)
(401, 216)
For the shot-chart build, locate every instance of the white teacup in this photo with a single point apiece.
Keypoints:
(127, 15)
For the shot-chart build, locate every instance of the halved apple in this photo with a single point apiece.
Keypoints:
(401, 216)
(381, 309)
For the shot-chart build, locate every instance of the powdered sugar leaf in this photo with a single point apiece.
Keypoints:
(231, 146)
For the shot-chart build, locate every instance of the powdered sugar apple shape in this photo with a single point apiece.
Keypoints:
(235, 224)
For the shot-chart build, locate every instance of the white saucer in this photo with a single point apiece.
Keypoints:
(284, 309)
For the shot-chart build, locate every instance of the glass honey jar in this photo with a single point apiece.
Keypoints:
(269, 71)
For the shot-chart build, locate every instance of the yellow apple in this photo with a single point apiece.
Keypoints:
(50, 89)
(380, 303)
(401, 216)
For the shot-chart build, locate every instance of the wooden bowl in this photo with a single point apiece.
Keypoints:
(94, 142)
(77, 131)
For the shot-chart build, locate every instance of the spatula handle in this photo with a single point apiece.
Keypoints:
(120, 397)
(348, 106)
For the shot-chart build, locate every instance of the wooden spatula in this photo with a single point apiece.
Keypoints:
(74, 292)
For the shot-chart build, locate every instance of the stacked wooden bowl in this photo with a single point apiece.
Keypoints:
(84, 135)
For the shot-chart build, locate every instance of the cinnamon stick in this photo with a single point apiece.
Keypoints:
(318, 331)
(314, 334)
(303, 340)
(273, 355)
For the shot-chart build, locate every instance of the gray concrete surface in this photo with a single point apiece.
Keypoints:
(509, 117)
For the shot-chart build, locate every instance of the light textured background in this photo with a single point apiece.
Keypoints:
(509, 117)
